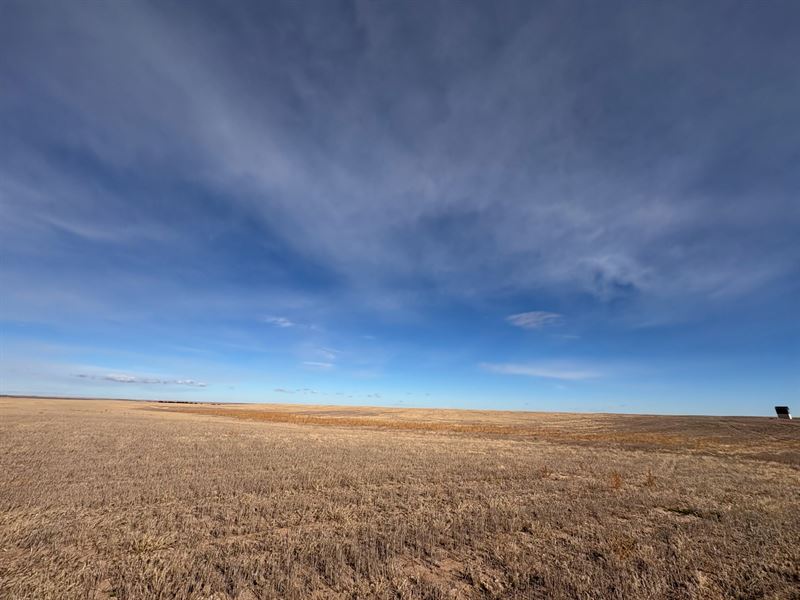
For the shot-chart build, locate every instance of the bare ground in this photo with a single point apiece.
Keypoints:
(111, 499)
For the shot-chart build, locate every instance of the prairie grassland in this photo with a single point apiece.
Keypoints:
(111, 499)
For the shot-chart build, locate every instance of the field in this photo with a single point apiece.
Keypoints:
(132, 500)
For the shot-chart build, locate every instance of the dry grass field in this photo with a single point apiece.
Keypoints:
(136, 500)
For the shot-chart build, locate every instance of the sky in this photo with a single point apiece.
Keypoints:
(556, 206)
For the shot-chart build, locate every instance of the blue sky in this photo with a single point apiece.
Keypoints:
(542, 206)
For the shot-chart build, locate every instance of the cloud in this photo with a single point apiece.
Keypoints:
(279, 321)
(123, 378)
(379, 163)
(535, 319)
(327, 354)
(623, 200)
(318, 364)
(317, 357)
(563, 371)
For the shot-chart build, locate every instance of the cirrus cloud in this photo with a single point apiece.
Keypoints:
(313, 364)
(535, 319)
(124, 378)
(282, 322)
(545, 370)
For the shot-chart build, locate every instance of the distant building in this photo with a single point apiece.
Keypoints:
(783, 412)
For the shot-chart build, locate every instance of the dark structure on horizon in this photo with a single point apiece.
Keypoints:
(783, 412)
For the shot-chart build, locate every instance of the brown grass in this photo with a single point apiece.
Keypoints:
(757, 437)
(102, 499)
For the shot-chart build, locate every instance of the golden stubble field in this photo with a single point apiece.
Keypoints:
(133, 500)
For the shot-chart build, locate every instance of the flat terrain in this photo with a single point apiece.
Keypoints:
(113, 499)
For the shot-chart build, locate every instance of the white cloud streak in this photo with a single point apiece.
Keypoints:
(282, 322)
(535, 319)
(136, 379)
(562, 371)
(318, 364)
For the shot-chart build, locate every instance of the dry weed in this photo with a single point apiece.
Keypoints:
(109, 500)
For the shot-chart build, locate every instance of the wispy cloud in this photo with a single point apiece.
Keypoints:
(564, 371)
(318, 357)
(633, 229)
(329, 354)
(535, 319)
(279, 321)
(124, 378)
(313, 364)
